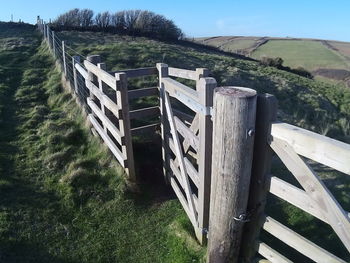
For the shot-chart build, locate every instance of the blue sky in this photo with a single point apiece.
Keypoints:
(294, 18)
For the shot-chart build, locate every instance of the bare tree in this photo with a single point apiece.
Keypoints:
(133, 22)
(103, 20)
(86, 18)
(118, 21)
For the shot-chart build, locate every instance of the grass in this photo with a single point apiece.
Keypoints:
(63, 197)
(238, 44)
(230, 44)
(308, 54)
(315, 105)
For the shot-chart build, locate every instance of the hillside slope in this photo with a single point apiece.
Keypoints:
(327, 60)
(319, 106)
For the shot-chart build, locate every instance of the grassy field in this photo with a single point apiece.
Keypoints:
(310, 55)
(62, 194)
(325, 59)
(240, 45)
(63, 198)
(342, 47)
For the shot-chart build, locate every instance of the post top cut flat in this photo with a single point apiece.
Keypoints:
(239, 92)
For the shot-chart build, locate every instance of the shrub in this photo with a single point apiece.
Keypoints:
(131, 22)
(272, 62)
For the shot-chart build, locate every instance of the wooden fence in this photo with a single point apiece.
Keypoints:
(232, 129)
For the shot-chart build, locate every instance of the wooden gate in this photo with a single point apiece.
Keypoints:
(186, 131)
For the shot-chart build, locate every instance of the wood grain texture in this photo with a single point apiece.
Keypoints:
(299, 243)
(314, 146)
(205, 89)
(260, 180)
(271, 255)
(234, 115)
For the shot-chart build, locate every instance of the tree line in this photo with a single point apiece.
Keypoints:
(130, 22)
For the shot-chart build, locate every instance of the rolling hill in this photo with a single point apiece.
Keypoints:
(325, 59)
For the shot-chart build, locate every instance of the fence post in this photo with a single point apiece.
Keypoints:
(94, 59)
(124, 126)
(163, 73)
(233, 140)
(53, 44)
(64, 59)
(75, 59)
(260, 179)
(102, 88)
(48, 35)
(205, 88)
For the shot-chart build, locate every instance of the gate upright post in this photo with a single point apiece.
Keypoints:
(205, 88)
(260, 179)
(163, 73)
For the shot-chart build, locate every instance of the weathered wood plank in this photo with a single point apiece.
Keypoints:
(183, 202)
(296, 197)
(82, 71)
(314, 146)
(179, 155)
(147, 129)
(138, 93)
(183, 73)
(177, 174)
(103, 75)
(190, 137)
(315, 188)
(121, 87)
(173, 86)
(205, 88)
(270, 254)
(183, 116)
(104, 99)
(298, 242)
(194, 127)
(232, 156)
(191, 171)
(144, 112)
(186, 95)
(102, 87)
(106, 122)
(139, 72)
(114, 149)
(259, 183)
(163, 72)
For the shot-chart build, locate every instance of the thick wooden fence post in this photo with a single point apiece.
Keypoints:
(94, 59)
(163, 73)
(102, 88)
(260, 179)
(124, 126)
(64, 59)
(233, 141)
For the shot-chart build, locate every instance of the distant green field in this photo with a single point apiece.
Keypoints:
(308, 54)
(238, 44)
(230, 44)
